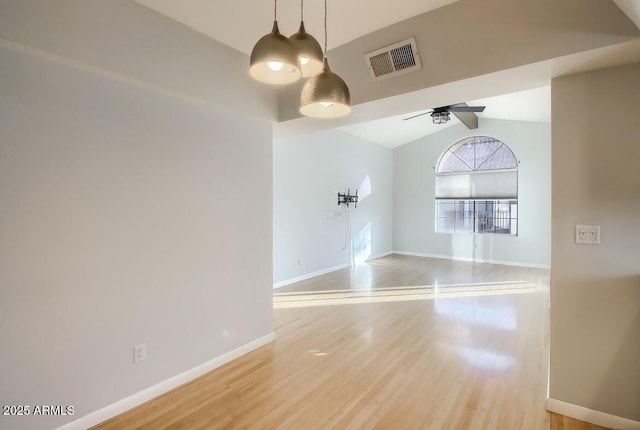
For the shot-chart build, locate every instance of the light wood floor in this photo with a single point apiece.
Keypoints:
(400, 343)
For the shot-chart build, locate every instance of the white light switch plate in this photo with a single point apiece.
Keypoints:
(588, 234)
(139, 353)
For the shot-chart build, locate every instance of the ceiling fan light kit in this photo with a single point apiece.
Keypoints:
(465, 113)
(278, 60)
(440, 117)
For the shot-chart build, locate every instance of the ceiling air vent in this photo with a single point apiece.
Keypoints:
(393, 60)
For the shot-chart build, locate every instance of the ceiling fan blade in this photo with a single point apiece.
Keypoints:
(464, 108)
(415, 116)
(469, 119)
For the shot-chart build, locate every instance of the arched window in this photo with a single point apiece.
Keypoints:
(477, 188)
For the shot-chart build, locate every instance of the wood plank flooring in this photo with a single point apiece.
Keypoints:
(400, 343)
(560, 422)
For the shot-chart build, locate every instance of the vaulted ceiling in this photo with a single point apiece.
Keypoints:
(240, 23)
(499, 53)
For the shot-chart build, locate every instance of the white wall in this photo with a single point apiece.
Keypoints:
(309, 227)
(128, 215)
(414, 194)
(595, 289)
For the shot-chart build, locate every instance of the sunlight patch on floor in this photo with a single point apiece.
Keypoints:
(426, 292)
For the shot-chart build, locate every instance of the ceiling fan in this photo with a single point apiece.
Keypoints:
(464, 112)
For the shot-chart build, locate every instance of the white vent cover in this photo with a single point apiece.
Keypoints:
(393, 60)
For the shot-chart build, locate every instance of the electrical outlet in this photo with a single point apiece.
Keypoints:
(588, 234)
(139, 353)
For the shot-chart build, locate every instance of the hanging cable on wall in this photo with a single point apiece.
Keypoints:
(348, 233)
(346, 199)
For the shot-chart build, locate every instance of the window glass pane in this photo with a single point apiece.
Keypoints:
(451, 163)
(476, 187)
(484, 148)
(445, 209)
(503, 158)
(464, 216)
(483, 217)
(477, 153)
(465, 152)
(445, 216)
(479, 216)
(495, 216)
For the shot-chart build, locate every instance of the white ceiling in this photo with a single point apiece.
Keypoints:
(631, 8)
(529, 105)
(240, 23)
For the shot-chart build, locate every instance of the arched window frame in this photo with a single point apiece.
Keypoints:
(477, 188)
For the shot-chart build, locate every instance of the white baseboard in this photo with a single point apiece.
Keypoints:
(134, 400)
(384, 254)
(474, 260)
(589, 415)
(325, 271)
(311, 275)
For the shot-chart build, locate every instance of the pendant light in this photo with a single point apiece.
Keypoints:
(309, 50)
(325, 95)
(274, 59)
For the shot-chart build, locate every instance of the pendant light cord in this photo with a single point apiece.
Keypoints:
(325, 28)
(301, 9)
(275, 9)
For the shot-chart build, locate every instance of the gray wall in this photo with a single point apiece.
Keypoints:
(309, 227)
(414, 193)
(595, 289)
(128, 215)
(124, 37)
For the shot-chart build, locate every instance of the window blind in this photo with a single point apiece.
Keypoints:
(496, 184)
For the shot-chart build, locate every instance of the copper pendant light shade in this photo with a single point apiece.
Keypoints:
(309, 52)
(274, 59)
(325, 95)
